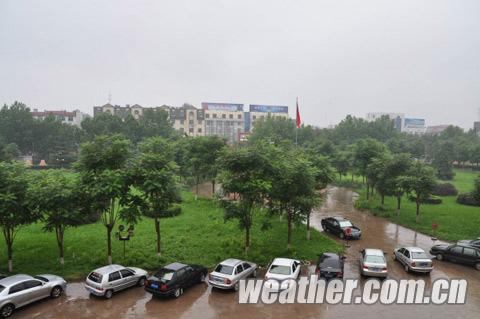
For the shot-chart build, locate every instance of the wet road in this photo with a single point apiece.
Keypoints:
(201, 302)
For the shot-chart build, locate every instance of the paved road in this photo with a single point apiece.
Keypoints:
(201, 302)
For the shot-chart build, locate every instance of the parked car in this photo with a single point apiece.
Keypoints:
(330, 265)
(458, 253)
(373, 263)
(413, 259)
(20, 290)
(281, 270)
(172, 279)
(104, 281)
(473, 242)
(341, 227)
(227, 274)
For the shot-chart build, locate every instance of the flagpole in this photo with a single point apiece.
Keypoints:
(296, 125)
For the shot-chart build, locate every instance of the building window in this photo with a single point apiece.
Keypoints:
(254, 117)
(231, 116)
(199, 130)
(209, 123)
(181, 130)
(207, 116)
(182, 122)
(190, 122)
(70, 119)
(224, 116)
(239, 116)
(200, 122)
(214, 116)
(136, 112)
(190, 130)
(190, 114)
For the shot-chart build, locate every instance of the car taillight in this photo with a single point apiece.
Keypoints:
(413, 264)
(384, 268)
(163, 287)
(365, 267)
(228, 281)
(340, 274)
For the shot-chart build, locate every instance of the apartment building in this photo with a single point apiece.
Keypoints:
(187, 119)
(121, 111)
(225, 120)
(75, 117)
(260, 112)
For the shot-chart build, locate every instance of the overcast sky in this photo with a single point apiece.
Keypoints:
(339, 57)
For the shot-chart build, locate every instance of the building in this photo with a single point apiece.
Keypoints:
(75, 117)
(414, 126)
(226, 120)
(476, 128)
(261, 112)
(121, 111)
(397, 118)
(187, 119)
(436, 129)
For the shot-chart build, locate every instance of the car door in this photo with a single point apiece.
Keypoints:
(16, 294)
(399, 254)
(406, 257)
(238, 272)
(455, 253)
(34, 290)
(183, 277)
(114, 281)
(128, 278)
(296, 269)
(469, 256)
(247, 269)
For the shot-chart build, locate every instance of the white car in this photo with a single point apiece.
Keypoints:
(229, 272)
(280, 273)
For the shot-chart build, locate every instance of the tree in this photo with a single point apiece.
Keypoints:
(444, 155)
(202, 153)
(377, 176)
(244, 173)
(156, 122)
(15, 203)
(56, 199)
(8, 152)
(396, 168)
(104, 181)
(17, 125)
(419, 181)
(341, 162)
(154, 174)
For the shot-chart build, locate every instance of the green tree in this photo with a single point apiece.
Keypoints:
(396, 168)
(105, 181)
(377, 177)
(56, 199)
(8, 152)
(15, 203)
(17, 125)
(419, 181)
(364, 152)
(341, 162)
(245, 174)
(154, 174)
(443, 157)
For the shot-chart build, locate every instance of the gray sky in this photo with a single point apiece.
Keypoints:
(340, 57)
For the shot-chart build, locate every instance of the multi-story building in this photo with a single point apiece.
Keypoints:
(261, 112)
(75, 117)
(476, 127)
(436, 129)
(397, 118)
(187, 119)
(121, 111)
(225, 120)
(414, 126)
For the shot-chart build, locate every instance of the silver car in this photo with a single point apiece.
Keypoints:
(413, 259)
(20, 290)
(105, 281)
(228, 273)
(373, 263)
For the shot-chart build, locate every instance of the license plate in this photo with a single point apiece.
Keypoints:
(374, 269)
(423, 265)
(154, 286)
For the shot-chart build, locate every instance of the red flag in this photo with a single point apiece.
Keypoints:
(299, 122)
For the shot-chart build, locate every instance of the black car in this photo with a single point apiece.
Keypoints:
(474, 242)
(172, 279)
(458, 253)
(330, 265)
(341, 227)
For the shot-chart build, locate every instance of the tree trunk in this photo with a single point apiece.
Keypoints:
(308, 227)
(399, 200)
(340, 174)
(8, 234)
(60, 231)
(213, 187)
(157, 230)
(352, 177)
(196, 187)
(247, 239)
(383, 200)
(289, 241)
(10, 256)
(109, 244)
(368, 192)
(418, 211)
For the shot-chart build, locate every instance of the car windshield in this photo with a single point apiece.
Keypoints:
(419, 255)
(329, 261)
(41, 278)
(345, 223)
(375, 259)
(279, 270)
(224, 269)
(165, 274)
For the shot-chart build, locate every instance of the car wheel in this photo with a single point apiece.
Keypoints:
(477, 266)
(7, 310)
(56, 292)
(325, 229)
(236, 286)
(439, 257)
(202, 278)
(109, 294)
(254, 274)
(406, 268)
(177, 293)
(141, 282)
(342, 236)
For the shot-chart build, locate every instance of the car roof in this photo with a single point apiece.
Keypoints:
(339, 218)
(415, 249)
(283, 261)
(108, 269)
(331, 255)
(175, 266)
(231, 262)
(12, 280)
(373, 252)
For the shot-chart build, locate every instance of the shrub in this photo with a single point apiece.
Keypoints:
(173, 211)
(445, 189)
(432, 200)
(467, 199)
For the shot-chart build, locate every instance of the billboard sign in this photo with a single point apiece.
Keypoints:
(415, 122)
(222, 107)
(268, 108)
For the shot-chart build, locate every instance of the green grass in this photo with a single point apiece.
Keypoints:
(454, 221)
(198, 235)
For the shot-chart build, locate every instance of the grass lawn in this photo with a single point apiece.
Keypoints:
(454, 221)
(198, 235)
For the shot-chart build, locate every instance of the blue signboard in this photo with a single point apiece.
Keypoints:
(268, 108)
(222, 107)
(415, 122)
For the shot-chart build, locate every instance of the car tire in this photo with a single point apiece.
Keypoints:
(407, 269)
(7, 310)
(236, 287)
(439, 257)
(177, 293)
(254, 275)
(141, 282)
(325, 229)
(477, 266)
(108, 294)
(56, 292)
